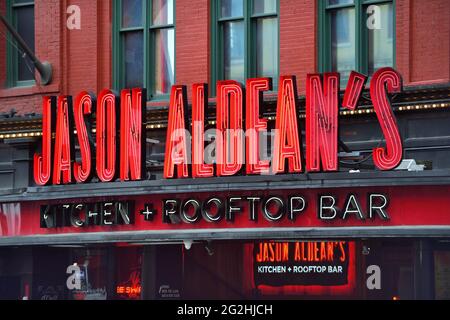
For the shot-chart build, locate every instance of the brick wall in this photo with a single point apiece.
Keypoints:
(430, 47)
(87, 55)
(48, 48)
(82, 58)
(192, 42)
(298, 49)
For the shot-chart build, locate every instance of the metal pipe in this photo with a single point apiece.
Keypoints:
(44, 68)
(344, 146)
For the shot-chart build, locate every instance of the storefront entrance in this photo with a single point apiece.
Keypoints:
(323, 269)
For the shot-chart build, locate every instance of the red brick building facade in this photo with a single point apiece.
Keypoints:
(82, 59)
(146, 257)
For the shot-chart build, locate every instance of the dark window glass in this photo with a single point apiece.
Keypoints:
(245, 27)
(233, 35)
(147, 58)
(93, 275)
(364, 46)
(132, 13)
(162, 12)
(134, 67)
(164, 60)
(163, 46)
(25, 27)
(267, 47)
(343, 44)
(23, 19)
(264, 6)
(381, 45)
(231, 8)
(339, 2)
(128, 273)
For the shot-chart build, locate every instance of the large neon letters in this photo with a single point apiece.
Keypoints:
(85, 104)
(287, 134)
(120, 135)
(322, 110)
(42, 166)
(132, 134)
(176, 140)
(384, 81)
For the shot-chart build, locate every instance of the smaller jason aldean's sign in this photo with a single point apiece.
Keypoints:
(323, 263)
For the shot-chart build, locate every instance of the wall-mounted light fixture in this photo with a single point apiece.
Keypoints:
(44, 68)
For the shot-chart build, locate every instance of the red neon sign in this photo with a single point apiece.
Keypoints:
(322, 112)
(387, 80)
(199, 111)
(301, 252)
(176, 140)
(287, 137)
(42, 166)
(106, 135)
(230, 128)
(120, 131)
(255, 125)
(353, 92)
(299, 268)
(63, 146)
(84, 105)
(129, 291)
(132, 288)
(132, 138)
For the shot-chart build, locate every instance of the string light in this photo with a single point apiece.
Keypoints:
(301, 116)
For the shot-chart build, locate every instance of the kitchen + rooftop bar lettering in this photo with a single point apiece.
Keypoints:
(324, 263)
(81, 215)
(255, 209)
(274, 208)
(120, 130)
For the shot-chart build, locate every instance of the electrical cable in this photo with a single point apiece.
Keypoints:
(22, 53)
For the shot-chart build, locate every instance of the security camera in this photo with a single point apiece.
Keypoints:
(187, 244)
(209, 249)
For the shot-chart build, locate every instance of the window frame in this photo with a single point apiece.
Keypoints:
(147, 28)
(250, 46)
(12, 55)
(361, 33)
